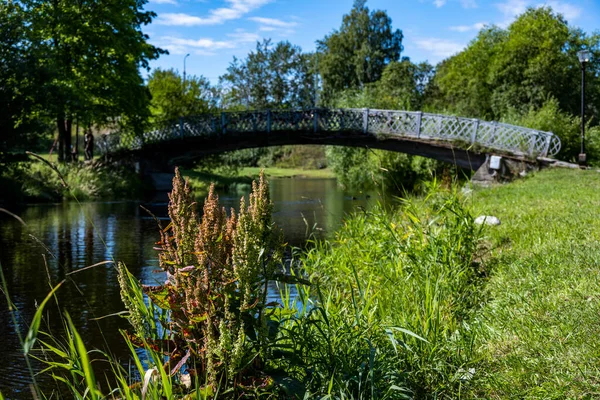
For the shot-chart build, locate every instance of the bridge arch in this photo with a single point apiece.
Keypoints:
(461, 141)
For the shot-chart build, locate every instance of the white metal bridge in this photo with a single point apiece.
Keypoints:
(338, 126)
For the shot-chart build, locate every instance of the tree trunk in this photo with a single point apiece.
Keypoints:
(64, 138)
(76, 153)
(68, 139)
(60, 124)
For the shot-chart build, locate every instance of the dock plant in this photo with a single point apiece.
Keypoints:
(216, 322)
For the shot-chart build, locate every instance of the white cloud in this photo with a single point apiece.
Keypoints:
(173, 2)
(236, 9)
(463, 3)
(244, 37)
(569, 11)
(177, 45)
(466, 28)
(178, 19)
(512, 8)
(277, 23)
(439, 48)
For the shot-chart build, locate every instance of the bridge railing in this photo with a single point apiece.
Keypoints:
(417, 125)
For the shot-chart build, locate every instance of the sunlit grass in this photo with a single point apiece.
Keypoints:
(539, 329)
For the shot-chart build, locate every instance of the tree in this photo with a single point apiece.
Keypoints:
(19, 83)
(520, 68)
(270, 77)
(359, 51)
(173, 98)
(464, 82)
(92, 51)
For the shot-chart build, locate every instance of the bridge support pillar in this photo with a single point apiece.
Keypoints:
(502, 169)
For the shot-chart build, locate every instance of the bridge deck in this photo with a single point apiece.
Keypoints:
(412, 132)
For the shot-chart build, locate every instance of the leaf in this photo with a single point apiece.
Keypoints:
(410, 333)
(90, 378)
(158, 295)
(203, 393)
(35, 324)
(198, 318)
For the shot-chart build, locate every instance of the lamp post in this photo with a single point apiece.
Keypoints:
(584, 58)
(186, 56)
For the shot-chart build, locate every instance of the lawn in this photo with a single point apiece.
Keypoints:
(540, 321)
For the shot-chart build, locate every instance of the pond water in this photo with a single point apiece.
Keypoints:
(62, 238)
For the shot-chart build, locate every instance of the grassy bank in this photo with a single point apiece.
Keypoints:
(400, 289)
(539, 328)
(37, 182)
(241, 178)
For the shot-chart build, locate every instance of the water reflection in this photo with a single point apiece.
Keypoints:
(61, 239)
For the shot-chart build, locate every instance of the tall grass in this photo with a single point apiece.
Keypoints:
(35, 181)
(397, 294)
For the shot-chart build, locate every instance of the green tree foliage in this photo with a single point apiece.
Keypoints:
(403, 86)
(92, 52)
(270, 77)
(463, 80)
(551, 118)
(173, 98)
(19, 92)
(359, 51)
(521, 67)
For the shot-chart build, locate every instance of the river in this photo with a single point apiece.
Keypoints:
(60, 239)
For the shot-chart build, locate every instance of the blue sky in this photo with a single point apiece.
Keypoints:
(214, 31)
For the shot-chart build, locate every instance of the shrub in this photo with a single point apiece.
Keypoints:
(34, 181)
(567, 127)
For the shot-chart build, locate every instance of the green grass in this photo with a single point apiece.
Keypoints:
(399, 289)
(241, 178)
(539, 328)
(287, 172)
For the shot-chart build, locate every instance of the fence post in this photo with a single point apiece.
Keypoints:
(315, 120)
(419, 119)
(268, 121)
(493, 138)
(223, 123)
(532, 141)
(365, 120)
(474, 132)
(181, 127)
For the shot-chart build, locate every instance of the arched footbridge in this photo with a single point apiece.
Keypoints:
(462, 141)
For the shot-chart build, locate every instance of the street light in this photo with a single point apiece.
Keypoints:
(186, 56)
(584, 58)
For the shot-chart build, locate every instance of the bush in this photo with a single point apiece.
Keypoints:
(368, 169)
